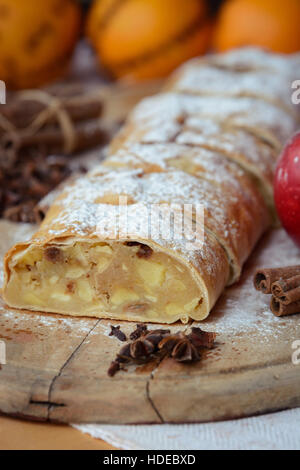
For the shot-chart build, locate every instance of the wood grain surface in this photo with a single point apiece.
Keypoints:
(57, 366)
(25, 435)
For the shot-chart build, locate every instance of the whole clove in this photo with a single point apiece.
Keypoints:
(117, 332)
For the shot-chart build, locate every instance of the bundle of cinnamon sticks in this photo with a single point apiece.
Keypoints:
(62, 124)
(34, 126)
(284, 286)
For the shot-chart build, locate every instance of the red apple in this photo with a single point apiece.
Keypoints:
(287, 188)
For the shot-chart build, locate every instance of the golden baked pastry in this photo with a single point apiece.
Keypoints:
(96, 254)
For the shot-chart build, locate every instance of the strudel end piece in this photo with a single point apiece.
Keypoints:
(73, 266)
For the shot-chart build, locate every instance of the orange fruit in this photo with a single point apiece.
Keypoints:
(273, 24)
(144, 39)
(36, 40)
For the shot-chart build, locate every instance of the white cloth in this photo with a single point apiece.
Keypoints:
(278, 431)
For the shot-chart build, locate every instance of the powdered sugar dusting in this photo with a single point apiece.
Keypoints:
(247, 112)
(243, 310)
(214, 81)
(202, 162)
(151, 123)
(25, 320)
(239, 146)
(252, 58)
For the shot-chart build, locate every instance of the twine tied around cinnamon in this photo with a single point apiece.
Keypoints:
(53, 108)
(66, 112)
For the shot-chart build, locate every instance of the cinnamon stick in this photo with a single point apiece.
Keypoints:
(22, 113)
(87, 135)
(264, 278)
(279, 309)
(290, 297)
(287, 291)
(279, 288)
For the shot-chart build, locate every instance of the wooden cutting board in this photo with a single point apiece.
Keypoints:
(57, 366)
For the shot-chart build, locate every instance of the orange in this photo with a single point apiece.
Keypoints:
(273, 24)
(143, 39)
(36, 40)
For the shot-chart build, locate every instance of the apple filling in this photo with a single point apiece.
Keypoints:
(124, 280)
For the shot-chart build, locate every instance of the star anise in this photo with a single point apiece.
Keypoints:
(187, 348)
(141, 349)
(156, 336)
(167, 344)
(124, 355)
(147, 344)
(185, 351)
(179, 347)
(202, 339)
